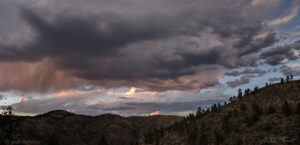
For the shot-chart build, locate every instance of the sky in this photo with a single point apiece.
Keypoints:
(141, 57)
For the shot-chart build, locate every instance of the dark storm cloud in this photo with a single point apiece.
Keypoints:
(246, 71)
(167, 46)
(241, 81)
(251, 44)
(277, 55)
(296, 45)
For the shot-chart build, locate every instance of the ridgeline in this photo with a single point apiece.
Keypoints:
(268, 115)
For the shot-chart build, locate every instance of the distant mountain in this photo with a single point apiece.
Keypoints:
(269, 115)
(62, 127)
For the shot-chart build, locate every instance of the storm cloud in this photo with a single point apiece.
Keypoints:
(241, 81)
(277, 55)
(159, 45)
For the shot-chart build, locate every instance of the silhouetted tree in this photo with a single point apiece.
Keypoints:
(256, 89)
(235, 112)
(219, 105)
(287, 79)
(281, 80)
(249, 120)
(8, 111)
(192, 136)
(291, 77)
(239, 142)
(214, 108)
(225, 123)
(267, 85)
(102, 141)
(298, 108)
(219, 138)
(271, 110)
(203, 137)
(256, 110)
(243, 107)
(199, 113)
(247, 92)
(240, 94)
(286, 110)
(52, 140)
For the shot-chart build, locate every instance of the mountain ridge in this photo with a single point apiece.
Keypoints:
(259, 116)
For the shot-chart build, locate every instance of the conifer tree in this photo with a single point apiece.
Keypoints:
(281, 80)
(287, 79)
(203, 137)
(298, 108)
(286, 110)
(240, 94)
(271, 110)
(102, 141)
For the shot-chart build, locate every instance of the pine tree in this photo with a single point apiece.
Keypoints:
(102, 141)
(235, 112)
(219, 138)
(225, 123)
(286, 109)
(256, 89)
(199, 113)
(287, 79)
(240, 94)
(256, 110)
(9, 110)
(243, 107)
(203, 137)
(247, 92)
(271, 110)
(52, 140)
(298, 108)
(281, 80)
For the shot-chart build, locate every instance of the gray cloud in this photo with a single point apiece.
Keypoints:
(148, 107)
(242, 80)
(1, 97)
(289, 71)
(256, 45)
(246, 71)
(123, 43)
(277, 55)
(296, 45)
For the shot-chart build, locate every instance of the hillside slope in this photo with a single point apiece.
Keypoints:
(270, 115)
(61, 127)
